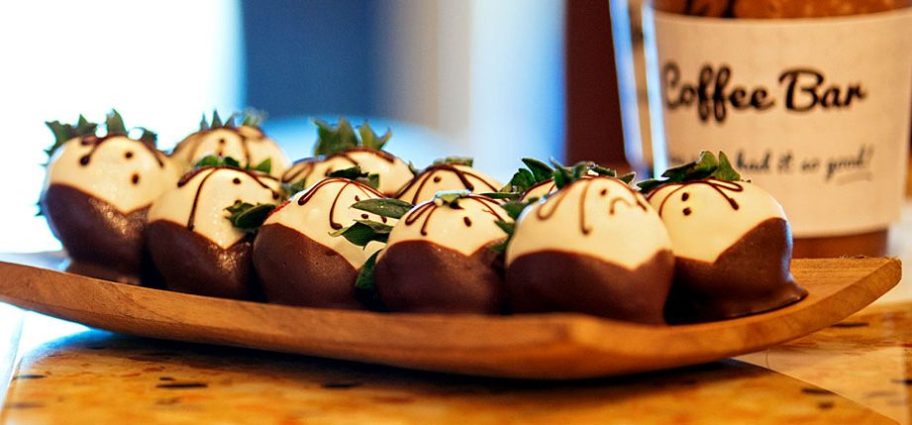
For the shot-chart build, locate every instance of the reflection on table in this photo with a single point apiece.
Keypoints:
(111, 378)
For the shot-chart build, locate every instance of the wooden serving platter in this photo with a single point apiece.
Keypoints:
(548, 346)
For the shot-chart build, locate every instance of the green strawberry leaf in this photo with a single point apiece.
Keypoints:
(451, 197)
(725, 171)
(217, 161)
(502, 195)
(248, 217)
(363, 232)
(455, 160)
(539, 169)
(148, 137)
(114, 124)
(231, 162)
(707, 166)
(292, 188)
(515, 208)
(384, 207)
(65, 132)
(253, 118)
(365, 280)
(369, 138)
(365, 288)
(216, 120)
(355, 173)
(332, 139)
(264, 167)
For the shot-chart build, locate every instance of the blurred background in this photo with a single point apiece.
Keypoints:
(476, 78)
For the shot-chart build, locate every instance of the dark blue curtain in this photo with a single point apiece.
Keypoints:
(307, 57)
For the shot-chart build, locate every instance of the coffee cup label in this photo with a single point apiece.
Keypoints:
(816, 111)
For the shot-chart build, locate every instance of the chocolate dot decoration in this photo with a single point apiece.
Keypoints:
(687, 211)
(436, 179)
(128, 154)
(236, 181)
(135, 178)
(685, 196)
(467, 221)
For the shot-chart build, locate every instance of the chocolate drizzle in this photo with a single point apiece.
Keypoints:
(367, 190)
(427, 209)
(302, 169)
(422, 179)
(199, 189)
(720, 186)
(548, 209)
(96, 142)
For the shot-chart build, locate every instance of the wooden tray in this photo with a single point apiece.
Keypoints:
(550, 346)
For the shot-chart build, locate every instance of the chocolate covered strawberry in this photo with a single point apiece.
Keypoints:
(594, 246)
(245, 142)
(192, 238)
(731, 239)
(297, 258)
(446, 175)
(438, 257)
(97, 194)
(339, 147)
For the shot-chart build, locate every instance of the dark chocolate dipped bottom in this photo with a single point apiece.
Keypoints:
(296, 270)
(192, 263)
(558, 281)
(419, 276)
(751, 276)
(102, 241)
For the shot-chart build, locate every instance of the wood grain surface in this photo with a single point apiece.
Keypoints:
(549, 346)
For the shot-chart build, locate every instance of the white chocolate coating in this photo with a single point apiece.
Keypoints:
(394, 173)
(579, 219)
(223, 186)
(245, 144)
(446, 177)
(109, 174)
(711, 225)
(539, 191)
(465, 230)
(326, 202)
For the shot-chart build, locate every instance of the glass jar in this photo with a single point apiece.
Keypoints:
(809, 98)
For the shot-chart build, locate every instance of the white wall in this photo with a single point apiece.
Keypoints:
(159, 63)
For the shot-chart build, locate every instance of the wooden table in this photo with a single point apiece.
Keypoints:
(859, 371)
(854, 372)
